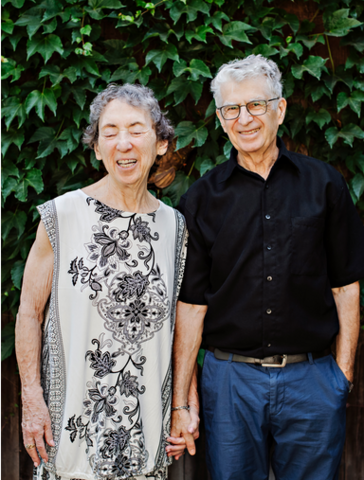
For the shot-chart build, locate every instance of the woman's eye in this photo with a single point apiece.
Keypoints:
(136, 133)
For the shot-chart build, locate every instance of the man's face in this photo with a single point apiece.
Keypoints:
(251, 134)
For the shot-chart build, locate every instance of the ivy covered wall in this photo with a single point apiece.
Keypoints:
(57, 54)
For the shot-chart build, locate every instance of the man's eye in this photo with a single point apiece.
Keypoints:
(232, 108)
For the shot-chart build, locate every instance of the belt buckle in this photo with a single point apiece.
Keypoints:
(277, 365)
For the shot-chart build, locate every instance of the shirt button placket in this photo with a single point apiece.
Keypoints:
(268, 229)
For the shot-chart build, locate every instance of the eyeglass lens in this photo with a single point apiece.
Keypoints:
(258, 107)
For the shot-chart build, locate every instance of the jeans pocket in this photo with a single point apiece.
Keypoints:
(341, 374)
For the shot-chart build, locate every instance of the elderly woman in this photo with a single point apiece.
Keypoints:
(103, 277)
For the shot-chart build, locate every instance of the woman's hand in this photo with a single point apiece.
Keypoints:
(36, 425)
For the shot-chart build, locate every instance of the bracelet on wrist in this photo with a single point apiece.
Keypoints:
(183, 407)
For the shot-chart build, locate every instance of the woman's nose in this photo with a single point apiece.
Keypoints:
(123, 142)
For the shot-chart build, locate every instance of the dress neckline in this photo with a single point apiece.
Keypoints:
(118, 210)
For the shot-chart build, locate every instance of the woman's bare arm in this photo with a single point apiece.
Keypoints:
(37, 284)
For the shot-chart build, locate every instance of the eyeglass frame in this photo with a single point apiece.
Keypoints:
(240, 106)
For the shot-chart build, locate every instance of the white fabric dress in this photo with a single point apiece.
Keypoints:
(106, 358)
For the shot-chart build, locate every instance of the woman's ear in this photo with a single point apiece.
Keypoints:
(97, 151)
(162, 147)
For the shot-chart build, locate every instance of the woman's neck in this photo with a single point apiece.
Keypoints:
(129, 198)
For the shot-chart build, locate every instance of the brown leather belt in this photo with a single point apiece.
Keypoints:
(278, 361)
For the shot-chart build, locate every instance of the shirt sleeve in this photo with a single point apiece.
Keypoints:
(197, 271)
(344, 238)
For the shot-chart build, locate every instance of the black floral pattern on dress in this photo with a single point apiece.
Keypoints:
(130, 285)
(115, 442)
(102, 363)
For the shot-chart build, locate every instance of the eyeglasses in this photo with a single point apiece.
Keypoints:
(255, 108)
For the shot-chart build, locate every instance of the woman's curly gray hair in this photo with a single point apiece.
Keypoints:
(135, 95)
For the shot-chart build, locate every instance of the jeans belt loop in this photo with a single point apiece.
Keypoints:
(310, 358)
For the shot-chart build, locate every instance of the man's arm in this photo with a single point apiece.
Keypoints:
(187, 341)
(36, 289)
(347, 304)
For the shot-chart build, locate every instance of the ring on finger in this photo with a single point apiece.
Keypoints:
(30, 445)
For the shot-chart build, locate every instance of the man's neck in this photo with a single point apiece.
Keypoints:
(259, 162)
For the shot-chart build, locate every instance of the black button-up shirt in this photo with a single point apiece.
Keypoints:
(265, 254)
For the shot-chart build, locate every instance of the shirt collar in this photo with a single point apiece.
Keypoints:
(232, 163)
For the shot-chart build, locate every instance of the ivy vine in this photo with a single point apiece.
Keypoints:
(57, 54)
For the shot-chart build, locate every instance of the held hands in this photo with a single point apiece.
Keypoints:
(36, 424)
(184, 432)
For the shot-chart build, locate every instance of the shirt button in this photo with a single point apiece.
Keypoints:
(269, 247)
(267, 186)
(269, 345)
(269, 278)
(267, 217)
(269, 311)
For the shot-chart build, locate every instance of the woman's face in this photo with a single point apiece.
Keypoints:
(127, 143)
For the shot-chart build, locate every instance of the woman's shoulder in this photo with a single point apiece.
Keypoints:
(67, 202)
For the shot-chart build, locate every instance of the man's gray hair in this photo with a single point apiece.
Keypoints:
(136, 96)
(250, 67)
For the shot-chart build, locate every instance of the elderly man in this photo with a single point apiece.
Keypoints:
(275, 255)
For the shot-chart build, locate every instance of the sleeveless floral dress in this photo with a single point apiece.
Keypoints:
(108, 333)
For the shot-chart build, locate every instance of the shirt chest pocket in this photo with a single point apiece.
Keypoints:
(307, 246)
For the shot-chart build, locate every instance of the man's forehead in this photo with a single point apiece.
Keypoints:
(249, 89)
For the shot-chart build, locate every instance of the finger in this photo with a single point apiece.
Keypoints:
(48, 434)
(196, 435)
(32, 452)
(41, 448)
(175, 449)
(177, 453)
(190, 443)
(176, 440)
(179, 456)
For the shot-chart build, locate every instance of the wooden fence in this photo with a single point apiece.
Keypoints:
(16, 464)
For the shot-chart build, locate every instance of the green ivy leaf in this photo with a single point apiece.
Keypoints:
(191, 10)
(321, 117)
(357, 184)
(265, 50)
(40, 100)
(181, 87)
(7, 26)
(197, 68)
(348, 133)
(159, 57)
(17, 273)
(199, 34)
(179, 186)
(206, 166)
(217, 19)
(167, 201)
(13, 107)
(8, 186)
(12, 220)
(33, 178)
(54, 73)
(187, 131)
(210, 109)
(9, 137)
(7, 340)
(354, 101)
(292, 21)
(46, 46)
(338, 24)
(235, 31)
(31, 22)
(313, 65)
(295, 48)
(10, 67)
(227, 149)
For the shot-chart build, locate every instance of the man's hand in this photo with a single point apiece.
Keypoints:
(347, 304)
(36, 425)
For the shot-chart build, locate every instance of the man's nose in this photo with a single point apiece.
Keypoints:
(244, 117)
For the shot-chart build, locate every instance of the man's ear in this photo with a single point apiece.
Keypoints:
(97, 151)
(162, 147)
(281, 110)
(221, 119)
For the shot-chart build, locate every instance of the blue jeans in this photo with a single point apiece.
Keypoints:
(300, 409)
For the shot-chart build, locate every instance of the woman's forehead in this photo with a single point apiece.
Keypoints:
(119, 113)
